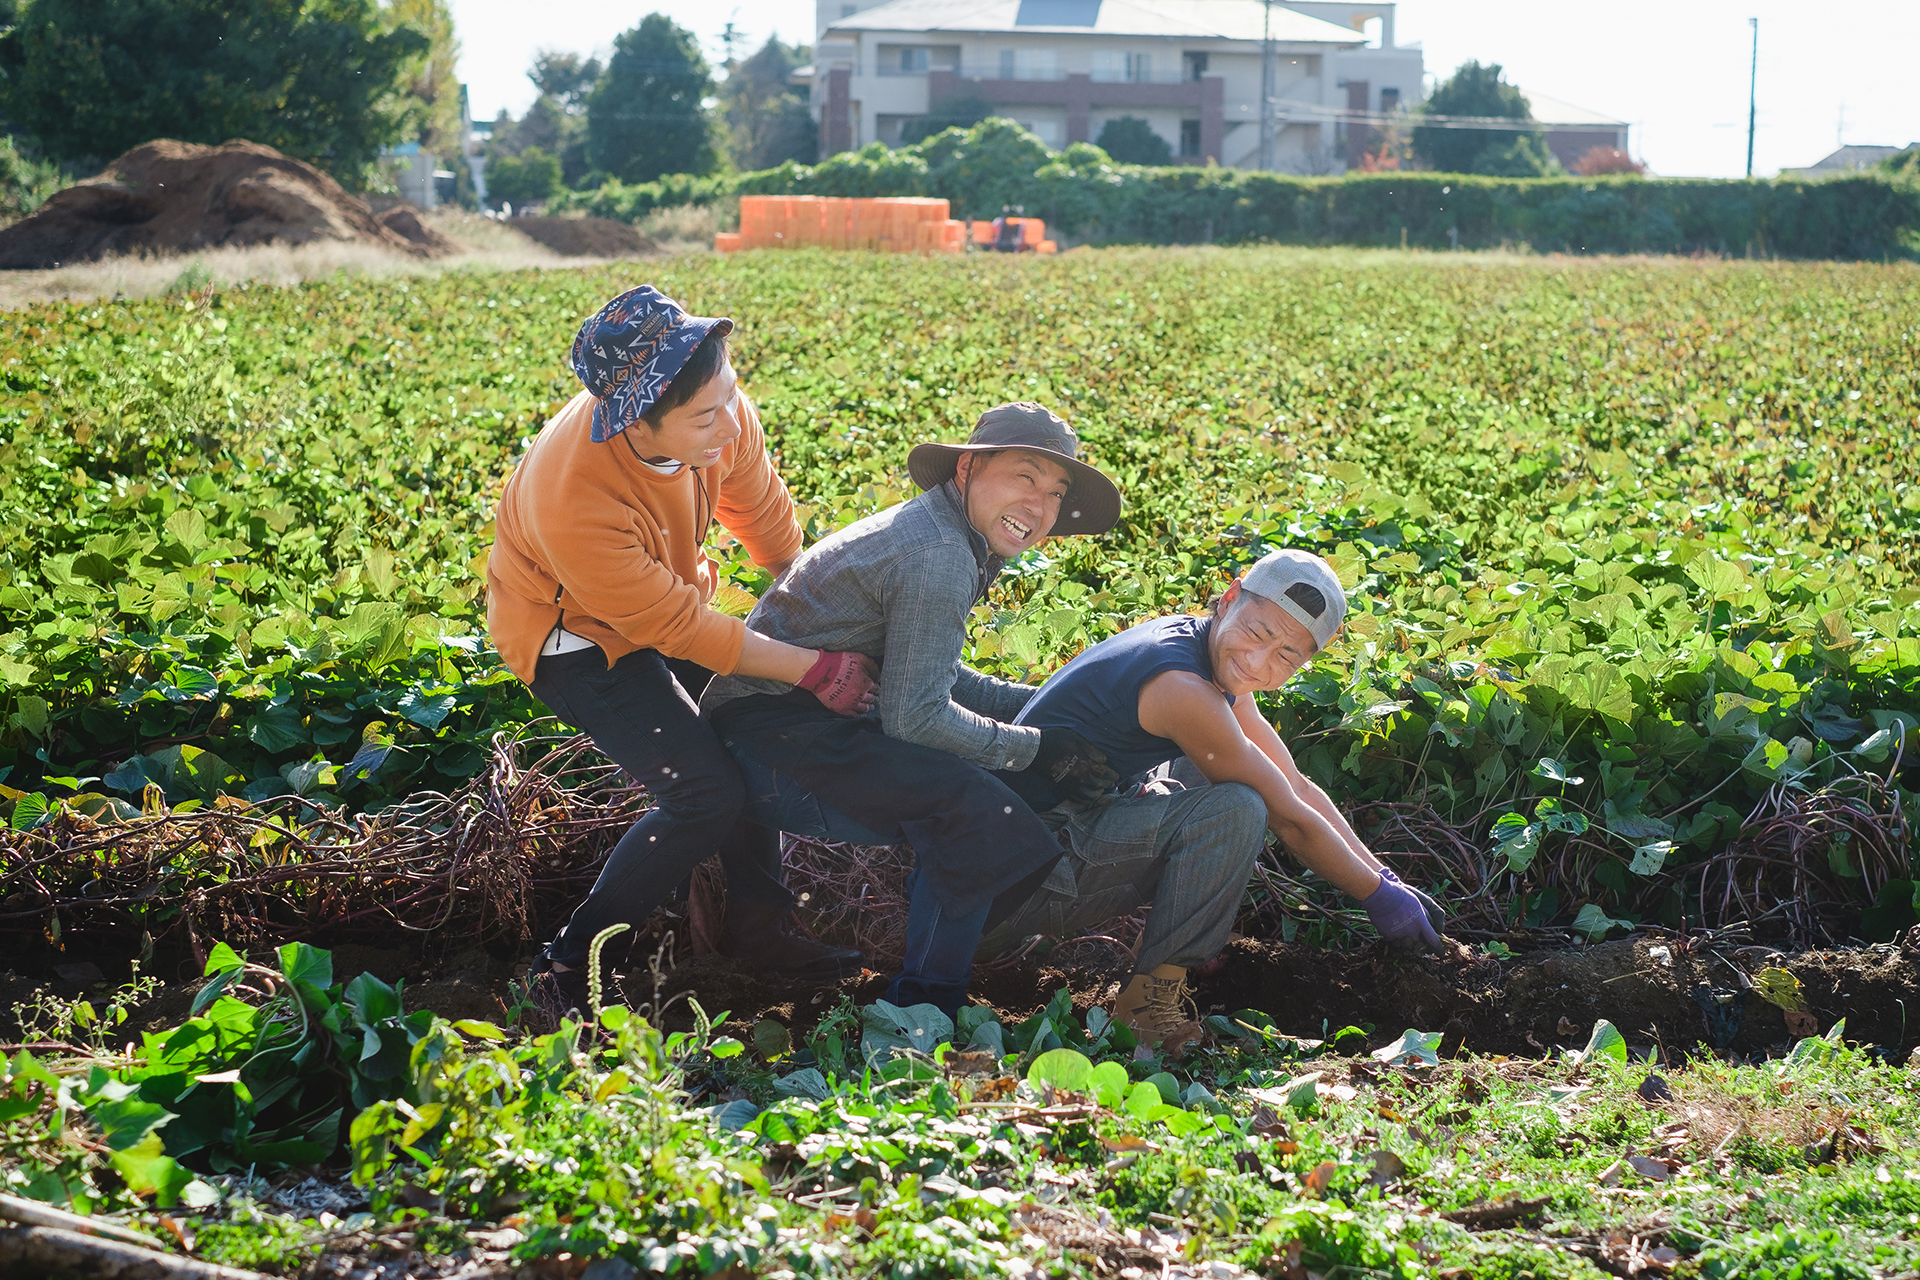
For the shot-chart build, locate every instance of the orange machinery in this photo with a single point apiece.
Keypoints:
(1013, 235)
(888, 224)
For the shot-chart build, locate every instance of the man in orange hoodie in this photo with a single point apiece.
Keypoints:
(598, 593)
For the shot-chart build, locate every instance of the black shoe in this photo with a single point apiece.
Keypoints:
(767, 941)
(558, 994)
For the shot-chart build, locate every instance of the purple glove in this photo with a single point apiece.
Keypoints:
(1435, 916)
(1401, 919)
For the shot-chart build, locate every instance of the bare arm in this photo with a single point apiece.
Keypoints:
(1182, 706)
(1261, 734)
(772, 659)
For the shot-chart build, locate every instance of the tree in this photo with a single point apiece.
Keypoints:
(767, 119)
(527, 178)
(322, 80)
(1479, 91)
(646, 116)
(1603, 159)
(962, 111)
(1131, 140)
(433, 87)
(565, 77)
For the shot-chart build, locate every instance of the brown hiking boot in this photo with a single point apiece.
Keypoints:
(1156, 1007)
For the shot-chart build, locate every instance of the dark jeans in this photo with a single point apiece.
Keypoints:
(641, 715)
(972, 837)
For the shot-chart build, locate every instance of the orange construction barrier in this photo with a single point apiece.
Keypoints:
(886, 224)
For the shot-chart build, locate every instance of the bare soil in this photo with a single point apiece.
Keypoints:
(166, 197)
(585, 237)
(1687, 1001)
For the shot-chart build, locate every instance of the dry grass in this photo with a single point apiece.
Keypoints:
(486, 244)
(683, 228)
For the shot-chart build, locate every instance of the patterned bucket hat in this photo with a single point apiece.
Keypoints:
(631, 349)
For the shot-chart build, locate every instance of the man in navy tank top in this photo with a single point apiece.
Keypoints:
(1170, 703)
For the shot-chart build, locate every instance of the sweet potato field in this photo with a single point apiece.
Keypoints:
(1634, 655)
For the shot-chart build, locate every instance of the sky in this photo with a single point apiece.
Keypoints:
(1675, 70)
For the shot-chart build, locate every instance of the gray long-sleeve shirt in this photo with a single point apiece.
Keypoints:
(899, 586)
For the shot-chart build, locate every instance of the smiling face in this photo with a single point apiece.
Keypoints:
(698, 431)
(1013, 497)
(1254, 643)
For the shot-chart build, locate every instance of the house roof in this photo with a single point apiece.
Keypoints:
(1854, 157)
(1552, 111)
(1187, 19)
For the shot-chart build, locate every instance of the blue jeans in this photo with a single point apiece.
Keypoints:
(813, 773)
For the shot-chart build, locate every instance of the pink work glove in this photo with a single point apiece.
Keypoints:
(842, 681)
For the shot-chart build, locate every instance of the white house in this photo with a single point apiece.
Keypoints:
(1192, 69)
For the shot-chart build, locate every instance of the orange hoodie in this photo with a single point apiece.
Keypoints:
(589, 536)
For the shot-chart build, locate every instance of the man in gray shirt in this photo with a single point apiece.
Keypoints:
(899, 586)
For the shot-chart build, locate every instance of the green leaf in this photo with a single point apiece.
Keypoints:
(1108, 1083)
(151, 1172)
(1605, 1042)
(1595, 923)
(30, 811)
(424, 709)
(887, 1028)
(486, 1030)
(1067, 1069)
(277, 728)
(223, 957)
(1420, 1046)
(1649, 858)
(1553, 771)
(1142, 1098)
(725, 1047)
(1516, 840)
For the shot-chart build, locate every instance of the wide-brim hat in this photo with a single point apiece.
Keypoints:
(630, 349)
(1092, 504)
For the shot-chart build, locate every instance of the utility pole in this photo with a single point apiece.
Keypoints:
(1753, 84)
(1266, 88)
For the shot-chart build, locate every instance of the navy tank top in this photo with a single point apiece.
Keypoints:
(1097, 695)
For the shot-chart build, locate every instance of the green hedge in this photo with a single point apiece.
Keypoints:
(1090, 198)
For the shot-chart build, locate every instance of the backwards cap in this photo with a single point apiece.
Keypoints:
(1305, 586)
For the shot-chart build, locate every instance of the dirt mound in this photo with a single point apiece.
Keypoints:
(405, 222)
(1653, 989)
(585, 237)
(167, 197)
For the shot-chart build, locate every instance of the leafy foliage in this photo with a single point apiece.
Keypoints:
(1481, 91)
(768, 122)
(327, 81)
(1131, 140)
(1084, 192)
(646, 115)
(1627, 547)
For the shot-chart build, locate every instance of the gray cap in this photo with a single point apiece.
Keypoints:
(1092, 505)
(1305, 586)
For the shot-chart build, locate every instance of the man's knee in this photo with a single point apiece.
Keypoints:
(1239, 814)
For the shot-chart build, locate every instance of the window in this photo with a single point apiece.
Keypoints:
(1193, 65)
(913, 60)
(1190, 139)
(1113, 67)
(1389, 101)
(1027, 64)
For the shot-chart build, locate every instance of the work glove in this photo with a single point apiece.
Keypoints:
(1076, 767)
(842, 681)
(1401, 918)
(1435, 916)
